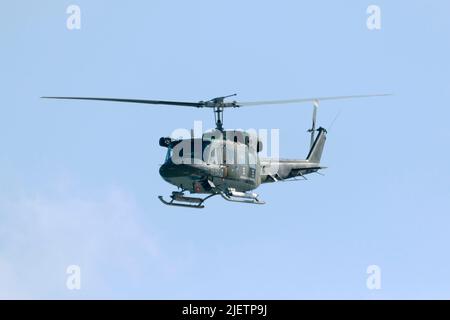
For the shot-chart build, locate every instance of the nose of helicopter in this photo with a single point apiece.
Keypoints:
(170, 170)
(172, 173)
(176, 174)
(164, 170)
(167, 172)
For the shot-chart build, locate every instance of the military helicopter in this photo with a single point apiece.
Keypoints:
(227, 162)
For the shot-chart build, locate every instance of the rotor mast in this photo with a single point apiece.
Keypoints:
(218, 117)
(218, 105)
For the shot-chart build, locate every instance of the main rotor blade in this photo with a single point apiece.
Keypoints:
(291, 101)
(161, 102)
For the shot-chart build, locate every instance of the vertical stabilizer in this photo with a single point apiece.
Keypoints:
(317, 148)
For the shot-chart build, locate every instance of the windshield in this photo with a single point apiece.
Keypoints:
(168, 154)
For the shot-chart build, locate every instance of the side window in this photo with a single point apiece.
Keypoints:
(252, 158)
(213, 157)
(211, 153)
(229, 153)
(241, 151)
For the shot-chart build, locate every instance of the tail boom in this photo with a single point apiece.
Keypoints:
(279, 170)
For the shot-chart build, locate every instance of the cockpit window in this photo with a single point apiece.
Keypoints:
(213, 157)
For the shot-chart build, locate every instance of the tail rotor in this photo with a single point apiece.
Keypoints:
(313, 126)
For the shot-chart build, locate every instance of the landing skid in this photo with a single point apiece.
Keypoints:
(178, 199)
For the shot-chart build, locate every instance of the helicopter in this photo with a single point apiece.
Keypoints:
(227, 163)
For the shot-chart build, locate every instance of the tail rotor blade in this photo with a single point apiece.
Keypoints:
(314, 117)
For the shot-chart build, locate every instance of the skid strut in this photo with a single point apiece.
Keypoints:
(242, 197)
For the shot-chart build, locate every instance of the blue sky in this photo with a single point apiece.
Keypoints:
(79, 180)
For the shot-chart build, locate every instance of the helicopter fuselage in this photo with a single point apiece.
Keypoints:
(221, 165)
(215, 165)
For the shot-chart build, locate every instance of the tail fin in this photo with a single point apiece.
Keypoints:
(316, 150)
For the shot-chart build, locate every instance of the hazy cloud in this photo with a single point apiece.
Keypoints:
(41, 233)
